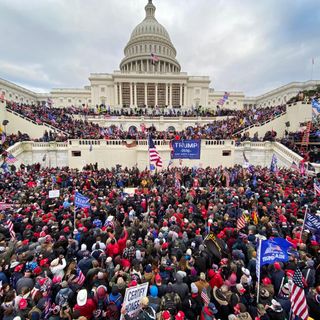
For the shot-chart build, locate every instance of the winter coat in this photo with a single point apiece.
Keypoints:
(180, 287)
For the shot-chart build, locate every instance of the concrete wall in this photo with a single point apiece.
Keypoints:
(296, 114)
(17, 123)
(110, 153)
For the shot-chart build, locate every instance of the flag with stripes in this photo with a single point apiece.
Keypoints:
(204, 296)
(154, 58)
(80, 277)
(223, 99)
(298, 299)
(294, 166)
(154, 155)
(10, 227)
(11, 159)
(241, 222)
(316, 186)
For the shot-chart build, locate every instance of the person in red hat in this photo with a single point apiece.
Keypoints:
(180, 315)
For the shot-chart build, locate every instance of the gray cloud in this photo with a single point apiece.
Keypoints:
(248, 45)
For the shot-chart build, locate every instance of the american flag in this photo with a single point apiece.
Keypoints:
(205, 296)
(11, 159)
(298, 299)
(154, 155)
(241, 222)
(223, 99)
(10, 227)
(294, 166)
(154, 58)
(80, 277)
(316, 186)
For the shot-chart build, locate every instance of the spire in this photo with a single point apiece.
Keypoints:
(150, 9)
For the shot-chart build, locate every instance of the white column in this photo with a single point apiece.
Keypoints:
(131, 95)
(147, 65)
(170, 101)
(145, 94)
(181, 95)
(137, 66)
(135, 95)
(185, 96)
(167, 95)
(116, 94)
(120, 94)
(156, 93)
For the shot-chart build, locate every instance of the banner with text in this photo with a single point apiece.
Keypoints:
(133, 297)
(186, 149)
(275, 249)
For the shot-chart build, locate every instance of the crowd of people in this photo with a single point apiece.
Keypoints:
(62, 262)
(293, 140)
(84, 129)
(149, 112)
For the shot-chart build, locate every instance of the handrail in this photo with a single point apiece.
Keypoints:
(36, 123)
(260, 124)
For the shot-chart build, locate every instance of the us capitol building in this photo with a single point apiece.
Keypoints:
(143, 81)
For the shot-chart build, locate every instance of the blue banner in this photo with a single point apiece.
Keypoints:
(186, 149)
(81, 201)
(312, 223)
(273, 250)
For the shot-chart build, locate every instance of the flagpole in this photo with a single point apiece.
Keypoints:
(304, 222)
(258, 268)
(74, 217)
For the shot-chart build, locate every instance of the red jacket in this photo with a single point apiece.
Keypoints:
(122, 242)
(112, 249)
(216, 280)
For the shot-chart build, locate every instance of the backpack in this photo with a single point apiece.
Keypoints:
(149, 314)
(112, 311)
(170, 305)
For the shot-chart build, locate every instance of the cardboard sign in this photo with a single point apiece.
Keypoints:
(54, 194)
(133, 297)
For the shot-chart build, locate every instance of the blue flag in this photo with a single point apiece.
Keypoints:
(81, 201)
(274, 164)
(273, 250)
(152, 167)
(312, 223)
(315, 105)
(5, 167)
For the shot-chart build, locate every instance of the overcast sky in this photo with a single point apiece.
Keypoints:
(249, 45)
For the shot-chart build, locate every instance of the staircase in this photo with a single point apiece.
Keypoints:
(306, 137)
(43, 124)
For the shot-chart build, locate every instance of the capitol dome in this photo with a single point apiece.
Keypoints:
(150, 38)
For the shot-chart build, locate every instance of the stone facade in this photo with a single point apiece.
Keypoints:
(149, 76)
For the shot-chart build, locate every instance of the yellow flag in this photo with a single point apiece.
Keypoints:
(255, 217)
